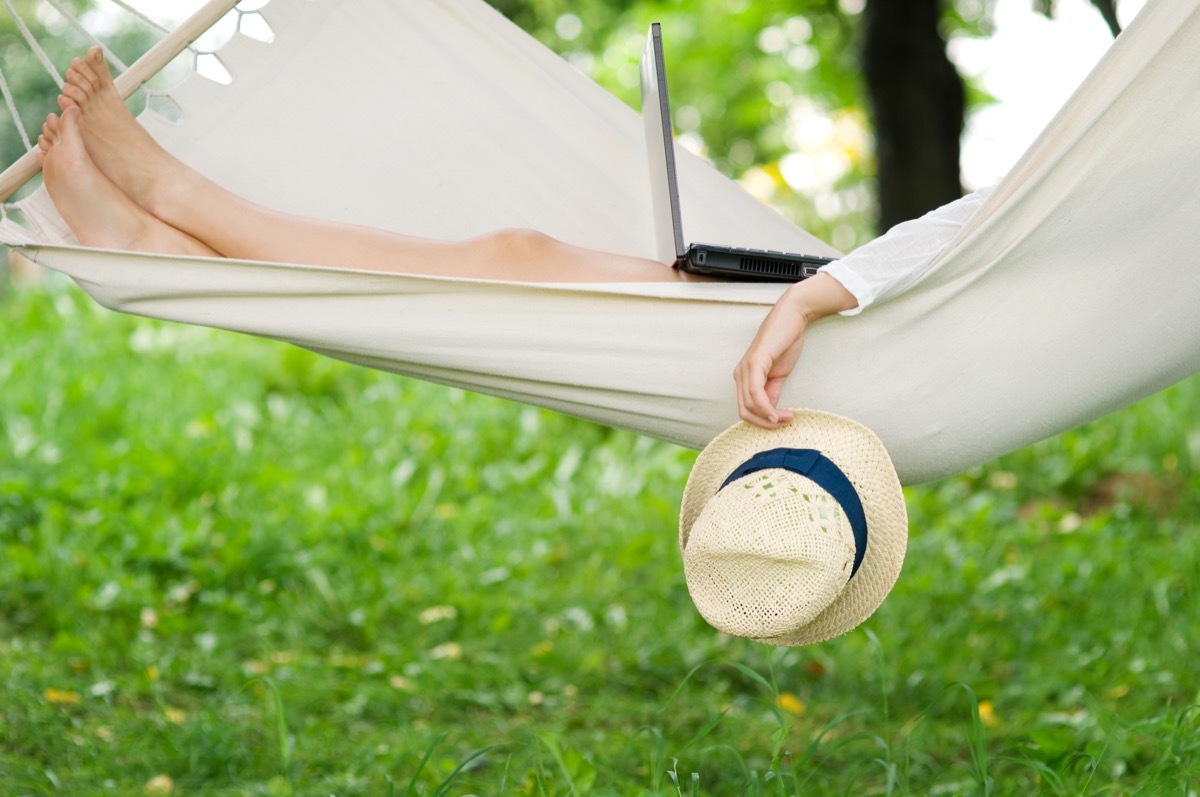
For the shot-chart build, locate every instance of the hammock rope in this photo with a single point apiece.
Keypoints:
(32, 41)
(44, 59)
(13, 113)
(140, 16)
(128, 81)
(74, 22)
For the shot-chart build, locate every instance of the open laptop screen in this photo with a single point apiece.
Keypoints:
(660, 150)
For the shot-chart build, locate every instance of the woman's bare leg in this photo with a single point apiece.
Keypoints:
(238, 228)
(98, 212)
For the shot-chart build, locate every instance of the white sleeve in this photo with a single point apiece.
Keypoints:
(892, 262)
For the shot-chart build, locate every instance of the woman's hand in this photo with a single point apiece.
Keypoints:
(766, 365)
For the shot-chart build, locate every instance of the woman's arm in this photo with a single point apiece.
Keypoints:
(881, 269)
(766, 365)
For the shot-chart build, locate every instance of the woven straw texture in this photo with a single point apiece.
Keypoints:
(769, 556)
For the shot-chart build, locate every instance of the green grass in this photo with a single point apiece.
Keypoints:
(249, 570)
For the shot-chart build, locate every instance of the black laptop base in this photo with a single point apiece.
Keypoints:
(749, 264)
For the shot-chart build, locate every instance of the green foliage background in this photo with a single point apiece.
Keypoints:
(230, 567)
(744, 76)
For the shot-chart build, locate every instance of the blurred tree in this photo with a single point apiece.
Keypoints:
(1107, 9)
(771, 93)
(919, 104)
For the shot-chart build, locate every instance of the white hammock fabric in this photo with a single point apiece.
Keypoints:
(1071, 293)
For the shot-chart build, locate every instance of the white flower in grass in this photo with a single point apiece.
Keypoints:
(580, 618)
(102, 688)
(616, 616)
(436, 613)
(160, 784)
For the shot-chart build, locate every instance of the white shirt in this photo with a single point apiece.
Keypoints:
(892, 262)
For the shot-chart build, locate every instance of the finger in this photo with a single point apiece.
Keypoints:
(756, 419)
(761, 421)
(783, 416)
(743, 378)
(774, 391)
(760, 405)
(756, 407)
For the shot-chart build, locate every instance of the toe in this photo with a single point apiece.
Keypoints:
(102, 71)
(95, 59)
(50, 128)
(81, 75)
(99, 67)
(74, 94)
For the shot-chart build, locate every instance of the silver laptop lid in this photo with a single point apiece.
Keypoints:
(660, 150)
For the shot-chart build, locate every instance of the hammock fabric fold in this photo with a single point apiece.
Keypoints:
(1070, 294)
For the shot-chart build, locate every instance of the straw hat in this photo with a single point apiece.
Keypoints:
(772, 554)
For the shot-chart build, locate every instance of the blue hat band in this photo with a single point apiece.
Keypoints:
(825, 474)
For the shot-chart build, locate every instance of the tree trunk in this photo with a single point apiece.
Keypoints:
(918, 103)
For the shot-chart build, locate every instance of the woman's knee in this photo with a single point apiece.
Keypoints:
(517, 243)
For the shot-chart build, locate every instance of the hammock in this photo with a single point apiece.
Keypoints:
(1070, 294)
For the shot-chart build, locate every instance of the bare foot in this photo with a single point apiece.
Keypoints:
(98, 212)
(47, 138)
(119, 146)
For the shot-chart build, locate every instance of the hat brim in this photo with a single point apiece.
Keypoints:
(858, 452)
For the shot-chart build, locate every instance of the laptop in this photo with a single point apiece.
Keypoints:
(718, 261)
